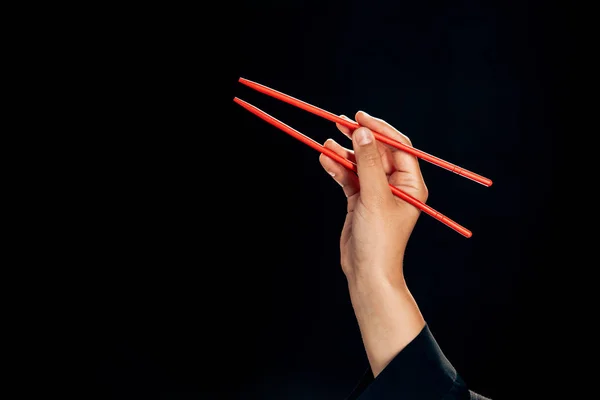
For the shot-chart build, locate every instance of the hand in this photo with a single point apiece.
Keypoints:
(374, 237)
(378, 224)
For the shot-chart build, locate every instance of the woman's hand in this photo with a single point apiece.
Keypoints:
(375, 235)
(378, 223)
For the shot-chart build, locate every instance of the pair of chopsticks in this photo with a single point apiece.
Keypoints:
(350, 165)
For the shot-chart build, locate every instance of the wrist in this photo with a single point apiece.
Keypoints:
(376, 277)
(375, 290)
(387, 315)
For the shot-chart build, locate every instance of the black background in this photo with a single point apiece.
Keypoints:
(217, 255)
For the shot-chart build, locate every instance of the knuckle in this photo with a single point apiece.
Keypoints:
(370, 158)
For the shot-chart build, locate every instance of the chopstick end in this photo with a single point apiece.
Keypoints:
(242, 103)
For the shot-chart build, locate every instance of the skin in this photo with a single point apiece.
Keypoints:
(375, 234)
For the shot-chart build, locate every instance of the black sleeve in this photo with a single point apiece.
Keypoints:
(419, 372)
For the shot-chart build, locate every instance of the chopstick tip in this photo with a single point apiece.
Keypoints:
(243, 103)
(485, 181)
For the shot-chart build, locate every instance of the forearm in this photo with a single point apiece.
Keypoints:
(388, 317)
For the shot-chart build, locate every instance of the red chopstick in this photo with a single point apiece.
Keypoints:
(351, 166)
(353, 125)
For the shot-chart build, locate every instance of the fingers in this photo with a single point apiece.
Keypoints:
(344, 129)
(380, 126)
(374, 188)
(403, 161)
(384, 151)
(347, 179)
(342, 151)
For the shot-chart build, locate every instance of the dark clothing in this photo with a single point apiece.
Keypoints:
(419, 372)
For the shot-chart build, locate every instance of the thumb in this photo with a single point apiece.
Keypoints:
(374, 187)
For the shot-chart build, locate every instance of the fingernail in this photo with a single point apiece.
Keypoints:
(364, 136)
